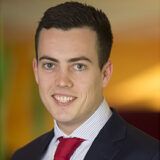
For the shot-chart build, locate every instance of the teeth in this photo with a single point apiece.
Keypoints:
(63, 99)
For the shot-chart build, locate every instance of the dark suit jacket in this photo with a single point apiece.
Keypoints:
(117, 140)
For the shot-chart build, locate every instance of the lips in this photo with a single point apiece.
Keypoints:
(63, 99)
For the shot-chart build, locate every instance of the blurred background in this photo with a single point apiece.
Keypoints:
(134, 89)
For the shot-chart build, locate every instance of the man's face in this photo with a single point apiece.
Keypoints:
(68, 75)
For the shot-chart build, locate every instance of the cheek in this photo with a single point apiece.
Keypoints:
(44, 88)
(42, 84)
(45, 80)
(90, 86)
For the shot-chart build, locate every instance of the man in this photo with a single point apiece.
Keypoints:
(73, 43)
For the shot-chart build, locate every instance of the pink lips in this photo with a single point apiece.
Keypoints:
(63, 99)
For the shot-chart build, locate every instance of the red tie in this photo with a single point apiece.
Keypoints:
(66, 148)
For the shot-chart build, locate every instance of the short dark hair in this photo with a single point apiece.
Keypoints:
(70, 15)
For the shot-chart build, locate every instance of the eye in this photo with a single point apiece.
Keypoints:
(79, 67)
(48, 65)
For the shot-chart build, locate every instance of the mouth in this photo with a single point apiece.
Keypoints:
(63, 99)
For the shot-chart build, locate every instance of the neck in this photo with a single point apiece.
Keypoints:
(68, 128)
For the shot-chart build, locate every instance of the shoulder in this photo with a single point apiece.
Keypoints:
(35, 148)
(133, 143)
(140, 139)
(138, 143)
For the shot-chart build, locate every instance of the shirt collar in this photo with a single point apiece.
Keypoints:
(91, 127)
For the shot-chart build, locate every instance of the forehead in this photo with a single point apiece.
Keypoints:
(77, 36)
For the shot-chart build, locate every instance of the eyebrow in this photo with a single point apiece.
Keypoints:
(48, 58)
(81, 58)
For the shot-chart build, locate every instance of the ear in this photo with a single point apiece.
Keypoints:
(107, 73)
(35, 69)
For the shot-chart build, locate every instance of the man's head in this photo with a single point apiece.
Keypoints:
(67, 69)
(76, 15)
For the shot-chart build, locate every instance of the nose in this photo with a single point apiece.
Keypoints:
(63, 80)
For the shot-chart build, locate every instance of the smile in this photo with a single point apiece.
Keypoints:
(63, 99)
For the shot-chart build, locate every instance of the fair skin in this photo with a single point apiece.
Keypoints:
(68, 75)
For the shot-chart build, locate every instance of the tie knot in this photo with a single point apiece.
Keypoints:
(70, 140)
(67, 147)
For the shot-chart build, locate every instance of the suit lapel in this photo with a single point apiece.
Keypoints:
(47, 140)
(43, 143)
(109, 141)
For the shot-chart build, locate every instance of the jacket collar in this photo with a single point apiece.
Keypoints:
(110, 139)
(45, 143)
